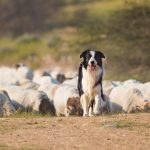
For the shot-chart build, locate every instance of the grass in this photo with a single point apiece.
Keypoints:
(113, 26)
(124, 124)
(19, 114)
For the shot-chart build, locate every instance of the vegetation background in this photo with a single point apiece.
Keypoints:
(40, 32)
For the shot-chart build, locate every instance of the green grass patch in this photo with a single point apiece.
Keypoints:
(124, 124)
(27, 115)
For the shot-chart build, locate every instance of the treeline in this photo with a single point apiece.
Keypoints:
(19, 16)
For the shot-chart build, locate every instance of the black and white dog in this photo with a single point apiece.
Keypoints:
(90, 81)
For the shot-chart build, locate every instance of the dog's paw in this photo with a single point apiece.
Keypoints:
(96, 113)
(85, 115)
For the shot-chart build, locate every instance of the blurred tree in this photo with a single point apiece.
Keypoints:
(20, 16)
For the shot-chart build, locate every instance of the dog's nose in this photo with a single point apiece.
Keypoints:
(92, 63)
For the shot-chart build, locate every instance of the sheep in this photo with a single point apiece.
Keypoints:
(71, 74)
(48, 85)
(72, 81)
(67, 101)
(38, 74)
(144, 88)
(125, 99)
(118, 83)
(8, 76)
(29, 99)
(108, 86)
(147, 84)
(130, 82)
(28, 84)
(24, 72)
(11, 76)
(6, 107)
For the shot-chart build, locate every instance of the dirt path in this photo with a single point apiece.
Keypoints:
(116, 132)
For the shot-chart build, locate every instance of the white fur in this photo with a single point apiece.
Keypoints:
(72, 82)
(47, 84)
(62, 94)
(11, 76)
(24, 98)
(92, 58)
(88, 81)
(28, 84)
(125, 99)
(108, 86)
(24, 72)
(144, 88)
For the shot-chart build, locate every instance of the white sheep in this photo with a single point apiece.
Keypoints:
(71, 73)
(24, 72)
(30, 100)
(125, 99)
(11, 76)
(147, 84)
(73, 81)
(144, 88)
(6, 107)
(108, 86)
(8, 76)
(67, 101)
(38, 74)
(48, 85)
(28, 84)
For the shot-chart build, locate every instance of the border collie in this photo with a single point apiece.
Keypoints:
(90, 81)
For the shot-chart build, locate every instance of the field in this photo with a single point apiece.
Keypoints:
(109, 132)
(53, 33)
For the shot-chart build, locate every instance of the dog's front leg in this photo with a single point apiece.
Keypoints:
(97, 105)
(84, 102)
(91, 106)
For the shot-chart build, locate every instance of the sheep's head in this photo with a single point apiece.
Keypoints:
(74, 106)
(147, 105)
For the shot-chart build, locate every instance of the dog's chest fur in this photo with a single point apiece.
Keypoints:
(89, 80)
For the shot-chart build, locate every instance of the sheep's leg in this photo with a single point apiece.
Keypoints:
(66, 112)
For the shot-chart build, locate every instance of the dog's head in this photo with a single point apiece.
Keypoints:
(92, 59)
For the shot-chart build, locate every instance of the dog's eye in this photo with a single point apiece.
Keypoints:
(97, 57)
(88, 56)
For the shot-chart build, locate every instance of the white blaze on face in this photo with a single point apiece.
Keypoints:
(92, 61)
(92, 58)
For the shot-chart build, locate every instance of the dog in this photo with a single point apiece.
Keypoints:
(90, 81)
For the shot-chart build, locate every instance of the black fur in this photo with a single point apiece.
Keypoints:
(86, 57)
(80, 76)
(100, 82)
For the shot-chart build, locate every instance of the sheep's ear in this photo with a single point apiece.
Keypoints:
(17, 66)
(84, 53)
(6, 93)
(101, 54)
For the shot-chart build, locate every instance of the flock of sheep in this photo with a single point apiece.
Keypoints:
(52, 93)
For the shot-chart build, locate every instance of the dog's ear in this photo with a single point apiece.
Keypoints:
(84, 53)
(101, 54)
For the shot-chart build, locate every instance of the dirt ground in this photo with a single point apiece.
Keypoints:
(109, 132)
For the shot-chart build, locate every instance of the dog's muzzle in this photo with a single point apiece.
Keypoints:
(92, 66)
